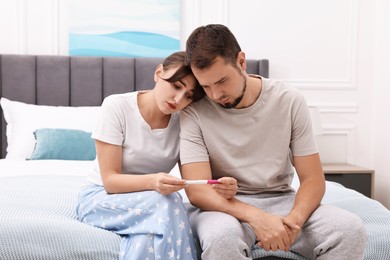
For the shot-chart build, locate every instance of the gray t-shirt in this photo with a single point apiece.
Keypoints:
(145, 150)
(253, 144)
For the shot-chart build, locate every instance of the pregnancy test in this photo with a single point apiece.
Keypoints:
(202, 182)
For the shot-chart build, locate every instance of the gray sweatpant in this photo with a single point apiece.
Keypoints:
(330, 233)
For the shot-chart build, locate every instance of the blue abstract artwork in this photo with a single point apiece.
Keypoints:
(132, 28)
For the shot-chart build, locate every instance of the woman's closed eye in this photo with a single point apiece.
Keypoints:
(176, 86)
(189, 95)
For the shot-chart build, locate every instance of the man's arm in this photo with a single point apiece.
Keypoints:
(311, 189)
(199, 195)
(269, 229)
(308, 197)
(309, 194)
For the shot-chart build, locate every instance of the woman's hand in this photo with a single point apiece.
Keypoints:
(227, 187)
(167, 184)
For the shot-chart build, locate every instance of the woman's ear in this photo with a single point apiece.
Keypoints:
(157, 72)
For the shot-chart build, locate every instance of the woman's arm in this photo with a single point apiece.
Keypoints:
(110, 164)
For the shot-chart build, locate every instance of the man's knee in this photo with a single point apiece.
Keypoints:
(229, 243)
(354, 228)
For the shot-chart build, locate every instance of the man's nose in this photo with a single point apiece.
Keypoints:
(216, 94)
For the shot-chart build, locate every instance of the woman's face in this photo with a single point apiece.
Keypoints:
(173, 97)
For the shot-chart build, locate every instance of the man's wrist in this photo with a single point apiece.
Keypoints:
(296, 218)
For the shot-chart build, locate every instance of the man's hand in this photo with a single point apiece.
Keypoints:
(292, 234)
(292, 220)
(227, 187)
(274, 232)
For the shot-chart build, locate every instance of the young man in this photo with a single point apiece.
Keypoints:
(255, 130)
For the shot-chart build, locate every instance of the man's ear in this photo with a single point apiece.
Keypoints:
(157, 72)
(241, 60)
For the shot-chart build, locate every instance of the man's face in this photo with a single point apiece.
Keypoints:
(223, 82)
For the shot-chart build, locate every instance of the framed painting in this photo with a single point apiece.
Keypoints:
(130, 28)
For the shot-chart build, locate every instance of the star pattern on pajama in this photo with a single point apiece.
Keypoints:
(152, 225)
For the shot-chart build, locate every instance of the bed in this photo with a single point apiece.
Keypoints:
(49, 104)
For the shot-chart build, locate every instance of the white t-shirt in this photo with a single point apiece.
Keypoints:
(253, 144)
(144, 150)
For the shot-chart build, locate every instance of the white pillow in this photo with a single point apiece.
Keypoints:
(23, 119)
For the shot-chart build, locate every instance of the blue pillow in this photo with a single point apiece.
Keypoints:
(63, 144)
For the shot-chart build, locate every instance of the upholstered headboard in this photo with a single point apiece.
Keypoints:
(78, 81)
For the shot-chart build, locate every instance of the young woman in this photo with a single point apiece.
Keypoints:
(137, 144)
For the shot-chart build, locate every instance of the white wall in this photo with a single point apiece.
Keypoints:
(335, 52)
(380, 102)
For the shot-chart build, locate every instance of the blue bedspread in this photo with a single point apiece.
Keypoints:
(38, 221)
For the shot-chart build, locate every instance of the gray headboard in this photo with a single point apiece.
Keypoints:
(78, 81)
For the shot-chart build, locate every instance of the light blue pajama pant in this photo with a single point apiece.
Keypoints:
(152, 225)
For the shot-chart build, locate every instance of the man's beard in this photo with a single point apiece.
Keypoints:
(237, 100)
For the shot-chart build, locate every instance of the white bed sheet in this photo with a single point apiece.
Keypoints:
(16, 167)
